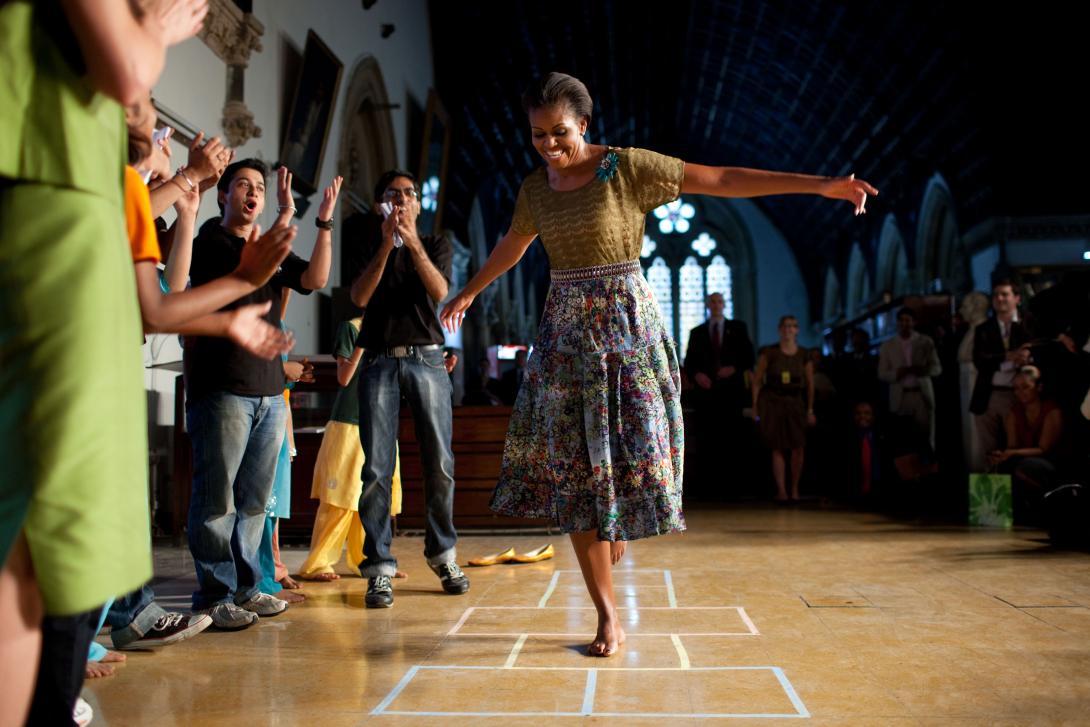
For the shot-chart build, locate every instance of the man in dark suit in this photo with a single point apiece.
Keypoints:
(718, 356)
(1000, 348)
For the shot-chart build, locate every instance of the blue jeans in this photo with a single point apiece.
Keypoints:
(423, 380)
(132, 616)
(236, 440)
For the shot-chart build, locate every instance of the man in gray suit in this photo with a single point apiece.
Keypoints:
(907, 362)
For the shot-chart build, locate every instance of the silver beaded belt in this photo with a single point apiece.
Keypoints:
(574, 275)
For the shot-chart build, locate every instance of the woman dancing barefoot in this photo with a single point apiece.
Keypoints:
(595, 441)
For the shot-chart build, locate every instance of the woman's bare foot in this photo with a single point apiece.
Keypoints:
(290, 597)
(609, 638)
(96, 669)
(401, 574)
(290, 583)
(114, 657)
(616, 551)
(321, 577)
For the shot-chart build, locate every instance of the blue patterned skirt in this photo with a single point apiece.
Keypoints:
(596, 438)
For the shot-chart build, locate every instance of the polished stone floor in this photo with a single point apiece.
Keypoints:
(755, 615)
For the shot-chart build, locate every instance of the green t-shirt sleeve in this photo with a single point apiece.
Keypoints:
(346, 340)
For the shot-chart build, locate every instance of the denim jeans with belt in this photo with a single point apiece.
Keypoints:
(422, 378)
(236, 440)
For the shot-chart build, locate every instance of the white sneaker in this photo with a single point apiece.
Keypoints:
(229, 617)
(265, 605)
(82, 714)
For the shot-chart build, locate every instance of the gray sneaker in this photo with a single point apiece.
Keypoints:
(229, 617)
(265, 605)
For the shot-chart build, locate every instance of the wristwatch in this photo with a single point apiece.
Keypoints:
(323, 224)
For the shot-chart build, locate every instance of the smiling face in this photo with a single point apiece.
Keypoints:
(557, 135)
(244, 199)
(1026, 390)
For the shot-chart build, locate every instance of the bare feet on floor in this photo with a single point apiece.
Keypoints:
(609, 638)
(291, 597)
(616, 551)
(289, 583)
(97, 669)
(321, 577)
(401, 574)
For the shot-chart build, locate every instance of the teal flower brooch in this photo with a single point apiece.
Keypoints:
(608, 167)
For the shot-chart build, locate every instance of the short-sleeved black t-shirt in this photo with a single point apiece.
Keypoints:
(218, 364)
(400, 312)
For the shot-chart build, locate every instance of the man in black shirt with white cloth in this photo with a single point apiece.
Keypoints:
(399, 288)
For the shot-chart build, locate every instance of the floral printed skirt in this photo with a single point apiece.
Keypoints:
(596, 439)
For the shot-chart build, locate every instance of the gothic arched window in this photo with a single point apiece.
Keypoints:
(684, 271)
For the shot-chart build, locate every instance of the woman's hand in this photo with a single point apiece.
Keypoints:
(998, 457)
(189, 203)
(454, 312)
(851, 189)
(206, 160)
(329, 198)
(173, 21)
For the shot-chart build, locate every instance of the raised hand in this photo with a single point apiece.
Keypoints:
(329, 199)
(251, 331)
(189, 203)
(207, 160)
(454, 312)
(283, 188)
(262, 254)
(225, 159)
(851, 189)
(174, 20)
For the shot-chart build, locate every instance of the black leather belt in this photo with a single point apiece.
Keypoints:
(403, 351)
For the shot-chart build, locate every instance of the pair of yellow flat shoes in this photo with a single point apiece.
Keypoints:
(510, 556)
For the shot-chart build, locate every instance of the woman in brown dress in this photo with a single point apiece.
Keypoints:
(779, 405)
(595, 441)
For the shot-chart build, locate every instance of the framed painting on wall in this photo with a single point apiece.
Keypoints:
(311, 114)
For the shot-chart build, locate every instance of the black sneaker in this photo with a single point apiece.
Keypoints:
(453, 579)
(170, 628)
(380, 594)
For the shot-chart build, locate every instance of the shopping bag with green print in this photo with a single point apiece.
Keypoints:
(990, 500)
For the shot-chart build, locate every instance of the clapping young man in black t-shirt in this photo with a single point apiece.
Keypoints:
(400, 288)
(235, 409)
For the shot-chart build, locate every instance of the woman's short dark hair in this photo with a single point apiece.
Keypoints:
(558, 89)
(387, 177)
(224, 184)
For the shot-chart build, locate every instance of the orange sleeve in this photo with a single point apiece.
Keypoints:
(138, 219)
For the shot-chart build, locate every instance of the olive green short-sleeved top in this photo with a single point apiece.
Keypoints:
(602, 221)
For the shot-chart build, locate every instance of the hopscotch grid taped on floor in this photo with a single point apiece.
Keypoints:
(587, 709)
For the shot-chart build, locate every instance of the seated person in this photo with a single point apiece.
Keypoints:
(1034, 429)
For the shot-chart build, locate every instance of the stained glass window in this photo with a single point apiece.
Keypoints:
(691, 299)
(659, 278)
(674, 216)
(684, 270)
(719, 282)
(704, 244)
(429, 194)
